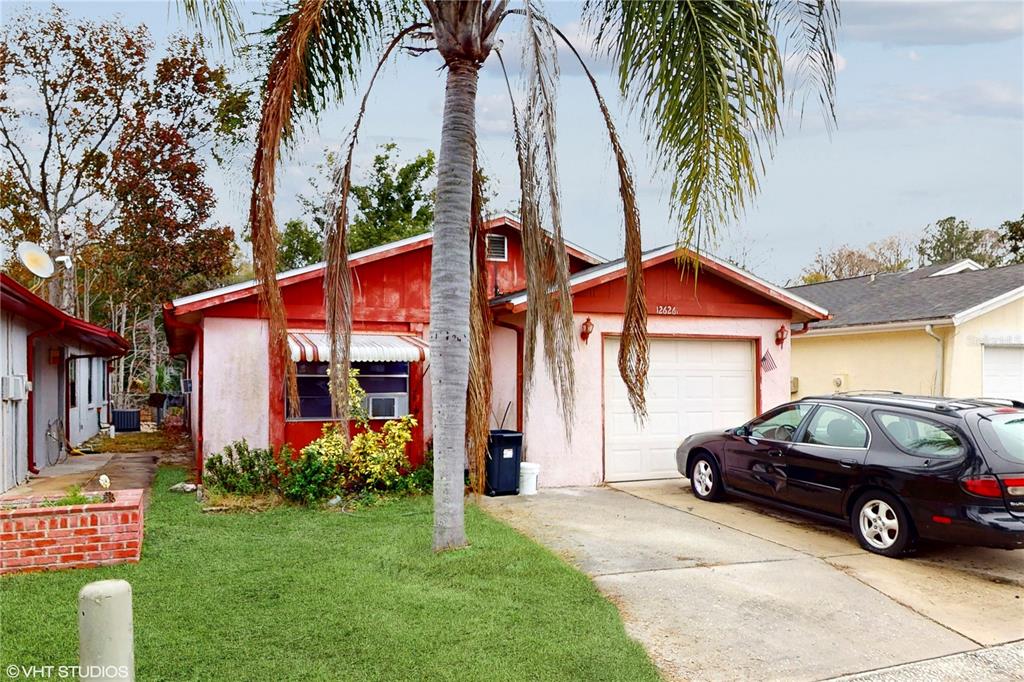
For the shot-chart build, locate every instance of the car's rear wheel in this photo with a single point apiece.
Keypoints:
(705, 479)
(882, 525)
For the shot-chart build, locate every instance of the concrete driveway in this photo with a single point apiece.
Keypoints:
(735, 591)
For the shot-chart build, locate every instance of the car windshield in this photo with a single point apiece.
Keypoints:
(1004, 433)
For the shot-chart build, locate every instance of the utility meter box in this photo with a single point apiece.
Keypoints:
(13, 387)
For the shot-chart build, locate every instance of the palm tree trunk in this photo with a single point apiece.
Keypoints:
(450, 301)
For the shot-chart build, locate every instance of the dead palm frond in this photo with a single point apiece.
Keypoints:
(546, 260)
(478, 395)
(286, 79)
(633, 349)
(337, 276)
(316, 49)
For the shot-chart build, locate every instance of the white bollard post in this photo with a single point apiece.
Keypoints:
(106, 644)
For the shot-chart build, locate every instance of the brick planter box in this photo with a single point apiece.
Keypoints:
(34, 538)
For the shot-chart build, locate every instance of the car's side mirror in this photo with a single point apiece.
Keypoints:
(741, 431)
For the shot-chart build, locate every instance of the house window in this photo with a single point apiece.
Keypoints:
(386, 385)
(497, 247)
(72, 384)
(89, 384)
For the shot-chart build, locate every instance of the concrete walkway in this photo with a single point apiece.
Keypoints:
(125, 470)
(729, 592)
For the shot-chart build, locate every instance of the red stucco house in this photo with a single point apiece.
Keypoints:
(714, 356)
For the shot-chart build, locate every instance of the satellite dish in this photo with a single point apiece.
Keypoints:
(33, 257)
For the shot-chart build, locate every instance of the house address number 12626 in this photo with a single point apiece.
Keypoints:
(666, 310)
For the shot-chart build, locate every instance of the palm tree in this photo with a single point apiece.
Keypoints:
(706, 77)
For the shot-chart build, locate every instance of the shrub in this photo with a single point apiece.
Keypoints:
(419, 481)
(242, 470)
(376, 459)
(309, 478)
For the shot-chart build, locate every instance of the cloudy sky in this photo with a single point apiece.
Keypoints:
(930, 124)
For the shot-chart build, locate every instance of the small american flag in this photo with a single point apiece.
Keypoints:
(767, 363)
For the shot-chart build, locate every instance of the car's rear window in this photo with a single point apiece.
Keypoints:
(920, 436)
(1004, 433)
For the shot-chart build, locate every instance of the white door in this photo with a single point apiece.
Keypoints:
(1004, 372)
(693, 385)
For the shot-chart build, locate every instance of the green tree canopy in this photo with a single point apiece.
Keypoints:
(394, 203)
(1011, 240)
(951, 239)
(298, 245)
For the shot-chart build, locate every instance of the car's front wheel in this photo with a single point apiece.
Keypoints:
(882, 525)
(705, 479)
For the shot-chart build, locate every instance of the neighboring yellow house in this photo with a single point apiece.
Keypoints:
(955, 330)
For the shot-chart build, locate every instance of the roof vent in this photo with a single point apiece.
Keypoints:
(497, 247)
(959, 266)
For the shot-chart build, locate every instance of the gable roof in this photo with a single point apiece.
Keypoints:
(605, 272)
(18, 299)
(925, 295)
(232, 292)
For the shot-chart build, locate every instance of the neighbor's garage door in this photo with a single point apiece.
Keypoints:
(693, 385)
(1004, 372)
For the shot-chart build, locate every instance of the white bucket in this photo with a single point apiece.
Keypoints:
(528, 472)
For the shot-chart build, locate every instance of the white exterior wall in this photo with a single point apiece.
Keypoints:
(13, 414)
(236, 383)
(503, 376)
(48, 401)
(582, 462)
(193, 397)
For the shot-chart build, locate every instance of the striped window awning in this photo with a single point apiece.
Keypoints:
(316, 347)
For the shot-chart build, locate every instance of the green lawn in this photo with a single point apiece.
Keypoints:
(293, 594)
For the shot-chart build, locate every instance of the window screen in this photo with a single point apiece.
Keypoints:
(386, 385)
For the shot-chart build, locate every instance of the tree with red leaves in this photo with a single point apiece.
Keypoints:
(103, 150)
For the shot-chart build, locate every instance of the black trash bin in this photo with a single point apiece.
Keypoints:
(504, 452)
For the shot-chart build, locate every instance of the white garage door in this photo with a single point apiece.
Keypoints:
(1004, 372)
(693, 385)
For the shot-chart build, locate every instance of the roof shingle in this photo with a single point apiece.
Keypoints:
(909, 295)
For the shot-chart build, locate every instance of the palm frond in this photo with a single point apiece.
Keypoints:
(633, 357)
(546, 261)
(286, 77)
(347, 30)
(478, 395)
(220, 15)
(337, 276)
(315, 48)
(808, 30)
(707, 78)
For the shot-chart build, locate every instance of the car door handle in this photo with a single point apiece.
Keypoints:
(775, 452)
(847, 463)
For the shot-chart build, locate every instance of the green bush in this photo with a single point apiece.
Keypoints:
(419, 481)
(373, 462)
(308, 478)
(242, 470)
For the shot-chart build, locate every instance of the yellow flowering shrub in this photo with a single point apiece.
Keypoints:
(377, 459)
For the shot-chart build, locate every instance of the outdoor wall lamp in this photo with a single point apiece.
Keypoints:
(586, 329)
(781, 335)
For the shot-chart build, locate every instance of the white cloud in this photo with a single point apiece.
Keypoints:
(899, 107)
(914, 56)
(493, 115)
(939, 22)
